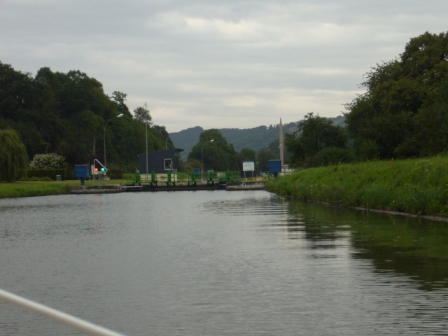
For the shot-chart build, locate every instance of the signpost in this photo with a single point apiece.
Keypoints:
(82, 172)
(248, 166)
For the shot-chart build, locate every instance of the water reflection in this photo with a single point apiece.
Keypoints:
(416, 248)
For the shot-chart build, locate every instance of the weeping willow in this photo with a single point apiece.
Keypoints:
(13, 156)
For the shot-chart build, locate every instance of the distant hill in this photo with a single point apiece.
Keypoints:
(256, 138)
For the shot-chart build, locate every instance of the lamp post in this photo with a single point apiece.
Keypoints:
(104, 137)
(202, 159)
(146, 151)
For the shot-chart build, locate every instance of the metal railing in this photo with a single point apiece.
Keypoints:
(56, 315)
(189, 177)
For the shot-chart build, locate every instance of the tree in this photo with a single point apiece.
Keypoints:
(403, 112)
(161, 130)
(263, 157)
(65, 113)
(247, 154)
(26, 105)
(119, 98)
(13, 156)
(215, 152)
(142, 114)
(313, 134)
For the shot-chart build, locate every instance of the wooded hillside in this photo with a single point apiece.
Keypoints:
(256, 138)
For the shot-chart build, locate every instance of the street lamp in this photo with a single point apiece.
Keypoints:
(202, 159)
(104, 137)
(166, 142)
(147, 165)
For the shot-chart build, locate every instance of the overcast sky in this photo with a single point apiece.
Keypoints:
(217, 64)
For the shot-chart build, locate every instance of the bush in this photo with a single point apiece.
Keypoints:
(127, 176)
(368, 150)
(115, 173)
(47, 173)
(47, 161)
(333, 155)
(37, 179)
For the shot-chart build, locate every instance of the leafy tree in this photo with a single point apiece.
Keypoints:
(13, 156)
(163, 135)
(263, 157)
(247, 154)
(78, 92)
(313, 134)
(368, 150)
(21, 101)
(403, 112)
(431, 136)
(119, 98)
(142, 114)
(215, 152)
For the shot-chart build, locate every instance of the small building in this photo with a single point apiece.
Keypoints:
(159, 162)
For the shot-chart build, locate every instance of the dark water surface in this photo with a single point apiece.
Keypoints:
(221, 263)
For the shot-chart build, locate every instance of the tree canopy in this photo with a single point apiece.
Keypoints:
(215, 152)
(13, 156)
(67, 113)
(142, 114)
(313, 135)
(263, 157)
(404, 111)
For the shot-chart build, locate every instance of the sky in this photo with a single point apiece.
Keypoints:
(218, 63)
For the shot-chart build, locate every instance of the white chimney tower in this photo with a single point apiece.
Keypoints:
(281, 142)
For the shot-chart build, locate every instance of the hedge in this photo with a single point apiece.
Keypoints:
(51, 173)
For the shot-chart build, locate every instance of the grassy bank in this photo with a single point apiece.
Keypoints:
(34, 188)
(418, 186)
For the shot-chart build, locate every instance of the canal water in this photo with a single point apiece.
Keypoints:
(221, 263)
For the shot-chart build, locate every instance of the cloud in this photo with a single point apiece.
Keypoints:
(214, 64)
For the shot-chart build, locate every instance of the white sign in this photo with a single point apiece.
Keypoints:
(248, 166)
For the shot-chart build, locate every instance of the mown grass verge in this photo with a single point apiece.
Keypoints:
(42, 188)
(418, 186)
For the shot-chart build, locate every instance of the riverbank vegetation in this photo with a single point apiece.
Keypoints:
(28, 189)
(416, 186)
(44, 188)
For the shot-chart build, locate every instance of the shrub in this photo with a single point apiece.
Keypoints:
(115, 173)
(368, 150)
(333, 155)
(37, 179)
(47, 161)
(48, 173)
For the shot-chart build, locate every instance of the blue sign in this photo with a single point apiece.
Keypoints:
(82, 171)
